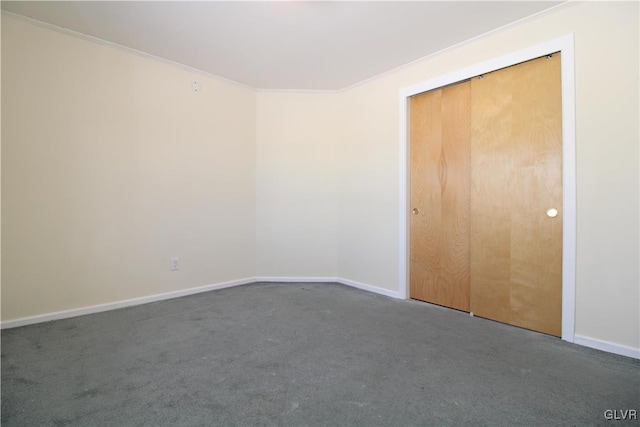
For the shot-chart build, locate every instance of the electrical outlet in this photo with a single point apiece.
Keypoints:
(174, 264)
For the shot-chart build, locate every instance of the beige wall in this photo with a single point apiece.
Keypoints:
(297, 177)
(111, 165)
(127, 167)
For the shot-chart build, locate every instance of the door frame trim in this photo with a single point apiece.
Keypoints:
(564, 45)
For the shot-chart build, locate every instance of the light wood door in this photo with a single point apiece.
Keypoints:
(516, 177)
(439, 238)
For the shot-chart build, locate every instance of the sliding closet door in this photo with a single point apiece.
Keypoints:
(516, 195)
(440, 137)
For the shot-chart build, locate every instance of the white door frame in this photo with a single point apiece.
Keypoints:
(565, 46)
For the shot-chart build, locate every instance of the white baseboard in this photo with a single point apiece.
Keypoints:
(290, 279)
(370, 288)
(24, 321)
(347, 282)
(609, 347)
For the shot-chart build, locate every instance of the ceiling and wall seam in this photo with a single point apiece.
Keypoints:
(120, 47)
(188, 68)
(464, 43)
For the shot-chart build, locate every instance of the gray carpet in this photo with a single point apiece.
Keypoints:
(303, 355)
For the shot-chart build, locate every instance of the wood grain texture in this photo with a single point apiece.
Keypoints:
(439, 145)
(516, 175)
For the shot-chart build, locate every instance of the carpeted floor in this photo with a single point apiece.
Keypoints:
(311, 354)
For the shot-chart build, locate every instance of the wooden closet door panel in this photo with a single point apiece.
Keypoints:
(440, 134)
(536, 290)
(516, 158)
(425, 223)
(491, 190)
(454, 173)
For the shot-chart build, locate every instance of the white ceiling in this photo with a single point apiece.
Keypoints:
(312, 45)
